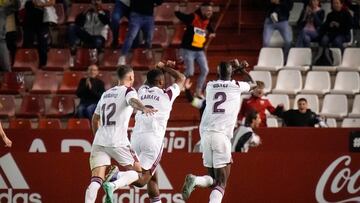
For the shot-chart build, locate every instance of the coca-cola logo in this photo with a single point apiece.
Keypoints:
(344, 179)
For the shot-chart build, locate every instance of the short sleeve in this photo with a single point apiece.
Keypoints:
(244, 86)
(130, 93)
(97, 110)
(173, 91)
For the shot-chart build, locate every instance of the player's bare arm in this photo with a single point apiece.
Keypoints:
(169, 68)
(7, 141)
(138, 105)
(240, 67)
(95, 123)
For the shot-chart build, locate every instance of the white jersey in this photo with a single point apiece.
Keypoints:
(115, 112)
(159, 99)
(222, 106)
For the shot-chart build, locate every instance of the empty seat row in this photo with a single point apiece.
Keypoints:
(47, 82)
(59, 60)
(334, 105)
(317, 82)
(272, 59)
(330, 122)
(46, 123)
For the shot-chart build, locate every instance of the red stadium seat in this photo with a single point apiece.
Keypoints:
(139, 79)
(61, 105)
(109, 7)
(20, 123)
(77, 8)
(123, 30)
(26, 60)
(45, 83)
(160, 38)
(32, 106)
(82, 59)
(192, 7)
(70, 82)
(79, 124)
(140, 61)
(107, 78)
(60, 13)
(184, 112)
(46, 123)
(164, 14)
(12, 83)
(7, 106)
(110, 59)
(178, 35)
(58, 59)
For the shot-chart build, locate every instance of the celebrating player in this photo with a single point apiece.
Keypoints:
(109, 124)
(7, 141)
(148, 133)
(216, 130)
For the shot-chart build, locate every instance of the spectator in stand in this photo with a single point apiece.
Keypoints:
(336, 29)
(244, 136)
(89, 91)
(256, 102)
(277, 19)
(39, 16)
(309, 23)
(121, 9)
(198, 25)
(91, 27)
(7, 8)
(301, 117)
(11, 35)
(141, 18)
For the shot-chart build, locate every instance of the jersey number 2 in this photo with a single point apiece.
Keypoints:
(222, 98)
(112, 108)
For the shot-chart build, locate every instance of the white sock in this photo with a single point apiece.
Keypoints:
(204, 181)
(155, 200)
(125, 178)
(92, 190)
(216, 195)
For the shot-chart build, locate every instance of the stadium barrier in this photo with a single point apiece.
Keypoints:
(288, 169)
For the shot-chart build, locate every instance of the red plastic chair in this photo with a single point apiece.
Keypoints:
(45, 83)
(139, 79)
(178, 35)
(107, 78)
(70, 82)
(46, 123)
(82, 59)
(58, 60)
(78, 124)
(110, 59)
(140, 61)
(7, 106)
(12, 83)
(160, 38)
(20, 124)
(76, 9)
(61, 106)
(32, 106)
(164, 14)
(26, 60)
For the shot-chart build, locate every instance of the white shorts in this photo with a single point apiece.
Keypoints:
(101, 156)
(149, 148)
(216, 149)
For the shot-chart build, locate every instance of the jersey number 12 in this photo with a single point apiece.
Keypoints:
(106, 117)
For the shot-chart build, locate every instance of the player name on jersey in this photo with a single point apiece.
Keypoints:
(149, 96)
(218, 85)
(110, 95)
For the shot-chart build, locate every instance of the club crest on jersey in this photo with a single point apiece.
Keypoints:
(149, 96)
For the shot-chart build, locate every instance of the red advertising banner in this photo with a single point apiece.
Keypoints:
(255, 177)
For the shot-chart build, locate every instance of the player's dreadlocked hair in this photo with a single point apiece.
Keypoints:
(153, 76)
(123, 70)
(224, 70)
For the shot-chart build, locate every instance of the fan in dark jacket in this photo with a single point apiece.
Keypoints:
(89, 91)
(309, 23)
(336, 29)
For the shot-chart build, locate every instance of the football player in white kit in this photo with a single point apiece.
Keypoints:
(109, 125)
(216, 130)
(148, 133)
